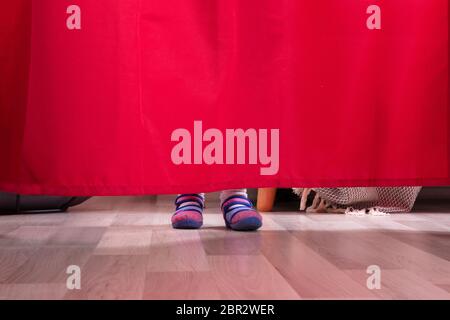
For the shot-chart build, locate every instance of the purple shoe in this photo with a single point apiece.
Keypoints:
(189, 211)
(240, 215)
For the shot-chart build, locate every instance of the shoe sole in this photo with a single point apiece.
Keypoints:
(187, 224)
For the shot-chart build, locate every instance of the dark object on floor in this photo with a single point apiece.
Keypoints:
(11, 203)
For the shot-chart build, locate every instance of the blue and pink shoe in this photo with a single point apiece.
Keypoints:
(189, 211)
(240, 215)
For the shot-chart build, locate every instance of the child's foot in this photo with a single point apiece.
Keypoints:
(240, 215)
(189, 210)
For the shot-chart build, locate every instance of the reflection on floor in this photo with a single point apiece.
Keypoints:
(126, 248)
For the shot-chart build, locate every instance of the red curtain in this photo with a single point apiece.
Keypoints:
(91, 94)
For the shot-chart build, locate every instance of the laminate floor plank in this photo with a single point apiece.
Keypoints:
(249, 277)
(126, 249)
(125, 241)
(177, 250)
(180, 286)
(111, 277)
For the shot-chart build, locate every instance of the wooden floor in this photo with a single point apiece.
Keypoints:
(126, 249)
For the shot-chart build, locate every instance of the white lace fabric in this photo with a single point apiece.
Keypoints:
(371, 200)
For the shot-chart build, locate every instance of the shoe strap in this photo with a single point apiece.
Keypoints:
(193, 199)
(230, 208)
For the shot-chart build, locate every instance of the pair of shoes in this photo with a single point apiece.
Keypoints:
(237, 210)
